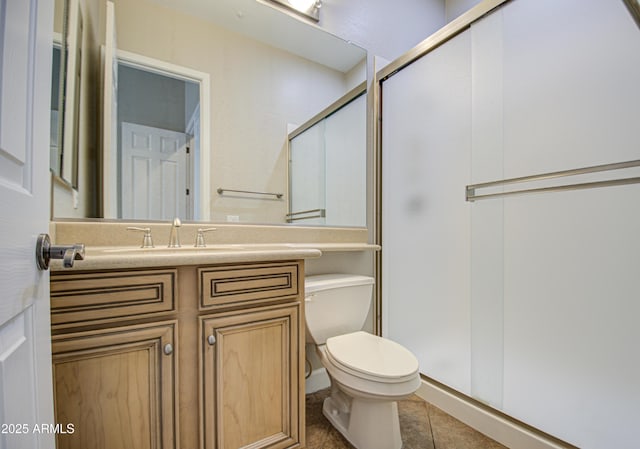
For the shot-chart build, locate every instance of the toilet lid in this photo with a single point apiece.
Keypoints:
(372, 355)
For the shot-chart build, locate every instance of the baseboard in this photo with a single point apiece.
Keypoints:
(493, 424)
(318, 380)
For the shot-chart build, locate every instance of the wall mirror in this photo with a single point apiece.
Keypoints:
(183, 107)
(332, 146)
(68, 33)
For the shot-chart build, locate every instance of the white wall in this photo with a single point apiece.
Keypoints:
(386, 29)
(389, 29)
(455, 8)
(528, 303)
(149, 99)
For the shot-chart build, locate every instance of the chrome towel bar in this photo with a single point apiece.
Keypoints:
(293, 216)
(470, 190)
(222, 191)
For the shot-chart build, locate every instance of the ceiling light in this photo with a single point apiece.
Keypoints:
(307, 8)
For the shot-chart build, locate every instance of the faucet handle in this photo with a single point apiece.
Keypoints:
(200, 237)
(147, 241)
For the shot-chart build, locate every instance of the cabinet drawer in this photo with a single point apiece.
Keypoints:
(226, 286)
(90, 297)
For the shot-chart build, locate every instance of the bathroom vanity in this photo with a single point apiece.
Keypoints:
(205, 353)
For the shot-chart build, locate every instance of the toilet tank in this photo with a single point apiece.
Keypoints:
(336, 304)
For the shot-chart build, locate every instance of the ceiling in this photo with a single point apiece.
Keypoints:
(275, 27)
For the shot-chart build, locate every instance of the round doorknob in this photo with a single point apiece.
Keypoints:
(45, 251)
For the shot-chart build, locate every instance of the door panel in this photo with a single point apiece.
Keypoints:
(14, 85)
(17, 351)
(154, 173)
(26, 39)
(426, 136)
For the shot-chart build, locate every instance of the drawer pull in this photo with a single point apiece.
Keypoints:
(168, 349)
(211, 340)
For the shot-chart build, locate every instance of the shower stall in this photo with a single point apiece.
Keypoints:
(511, 219)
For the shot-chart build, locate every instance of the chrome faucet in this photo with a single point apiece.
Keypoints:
(200, 237)
(147, 241)
(174, 236)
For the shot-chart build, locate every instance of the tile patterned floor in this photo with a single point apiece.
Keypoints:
(422, 426)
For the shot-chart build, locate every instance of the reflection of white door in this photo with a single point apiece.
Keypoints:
(26, 397)
(193, 131)
(154, 173)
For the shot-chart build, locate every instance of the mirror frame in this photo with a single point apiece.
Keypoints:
(65, 170)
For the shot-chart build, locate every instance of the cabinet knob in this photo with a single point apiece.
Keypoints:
(211, 340)
(168, 349)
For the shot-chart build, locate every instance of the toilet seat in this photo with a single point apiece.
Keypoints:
(372, 358)
(368, 375)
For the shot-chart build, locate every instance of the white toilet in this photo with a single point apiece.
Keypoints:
(368, 373)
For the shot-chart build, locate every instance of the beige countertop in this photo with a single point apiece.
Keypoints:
(109, 245)
(131, 257)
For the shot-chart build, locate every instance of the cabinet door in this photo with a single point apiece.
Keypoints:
(252, 373)
(116, 387)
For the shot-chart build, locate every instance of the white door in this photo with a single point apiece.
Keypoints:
(26, 397)
(154, 173)
(194, 181)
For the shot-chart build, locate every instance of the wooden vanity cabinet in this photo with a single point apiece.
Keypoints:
(251, 344)
(192, 358)
(113, 354)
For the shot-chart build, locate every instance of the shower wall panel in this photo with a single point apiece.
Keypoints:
(426, 132)
(571, 100)
(528, 303)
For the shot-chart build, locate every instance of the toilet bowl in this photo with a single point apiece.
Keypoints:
(368, 373)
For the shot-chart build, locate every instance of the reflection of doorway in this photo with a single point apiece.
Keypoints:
(154, 110)
(160, 95)
(155, 167)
